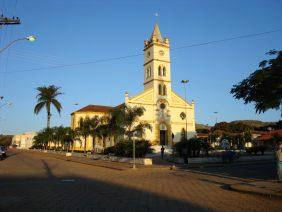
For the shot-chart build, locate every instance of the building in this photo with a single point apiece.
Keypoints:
(24, 140)
(166, 111)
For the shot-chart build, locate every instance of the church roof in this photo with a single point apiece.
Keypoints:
(95, 108)
(157, 33)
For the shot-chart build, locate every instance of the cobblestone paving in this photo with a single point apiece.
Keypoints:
(34, 182)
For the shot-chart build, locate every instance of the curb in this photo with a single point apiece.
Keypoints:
(262, 194)
(208, 165)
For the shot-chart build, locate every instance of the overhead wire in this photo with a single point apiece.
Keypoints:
(139, 54)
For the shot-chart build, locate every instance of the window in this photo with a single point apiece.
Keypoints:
(148, 72)
(160, 89)
(160, 71)
(164, 71)
(164, 90)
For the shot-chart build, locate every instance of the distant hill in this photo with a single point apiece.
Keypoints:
(202, 126)
(254, 123)
(251, 123)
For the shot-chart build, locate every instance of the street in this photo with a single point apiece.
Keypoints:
(37, 182)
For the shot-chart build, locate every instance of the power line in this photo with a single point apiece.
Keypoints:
(227, 39)
(139, 54)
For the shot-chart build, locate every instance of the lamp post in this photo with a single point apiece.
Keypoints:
(29, 38)
(184, 82)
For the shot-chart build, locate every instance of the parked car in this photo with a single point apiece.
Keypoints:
(2, 152)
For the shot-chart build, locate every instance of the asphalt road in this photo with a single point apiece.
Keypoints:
(37, 182)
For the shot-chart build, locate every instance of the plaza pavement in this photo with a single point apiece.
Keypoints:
(37, 182)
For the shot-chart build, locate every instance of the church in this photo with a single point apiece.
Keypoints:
(167, 112)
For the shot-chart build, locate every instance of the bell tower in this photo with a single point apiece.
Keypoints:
(157, 64)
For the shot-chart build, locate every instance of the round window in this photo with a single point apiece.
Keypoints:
(182, 115)
(162, 106)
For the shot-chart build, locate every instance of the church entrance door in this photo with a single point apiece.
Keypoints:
(163, 137)
(163, 134)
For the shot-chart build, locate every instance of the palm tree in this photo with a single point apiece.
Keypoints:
(95, 123)
(45, 98)
(84, 129)
(70, 137)
(59, 135)
(104, 130)
(43, 137)
(116, 123)
(127, 121)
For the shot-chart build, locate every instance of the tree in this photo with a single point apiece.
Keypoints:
(116, 123)
(94, 124)
(127, 120)
(47, 97)
(59, 134)
(84, 129)
(264, 86)
(5, 140)
(71, 136)
(104, 130)
(43, 137)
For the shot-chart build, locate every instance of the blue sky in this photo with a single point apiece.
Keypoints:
(82, 31)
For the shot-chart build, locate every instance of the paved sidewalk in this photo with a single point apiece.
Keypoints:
(40, 182)
(271, 189)
(101, 163)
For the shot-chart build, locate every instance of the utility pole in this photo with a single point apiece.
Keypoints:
(184, 82)
(9, 21)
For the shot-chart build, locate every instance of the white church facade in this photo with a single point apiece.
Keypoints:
(167, 112)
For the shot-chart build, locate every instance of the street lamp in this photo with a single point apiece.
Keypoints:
(184, 82)
(29, 38)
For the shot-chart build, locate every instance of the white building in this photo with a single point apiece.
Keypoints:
(24, 140)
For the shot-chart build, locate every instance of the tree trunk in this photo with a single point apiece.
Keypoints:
(104, 142)
(85, 145)
(93, 143)
(48, 119)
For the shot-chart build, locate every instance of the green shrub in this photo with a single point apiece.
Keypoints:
(256, 149)
(125, 148)
(193, 145)
(109, 150)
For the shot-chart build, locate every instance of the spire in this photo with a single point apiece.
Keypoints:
(156, 33)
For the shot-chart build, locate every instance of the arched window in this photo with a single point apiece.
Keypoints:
(160, 89)
(164, 90)
(148, 72)
(160, 71)
(164, 71)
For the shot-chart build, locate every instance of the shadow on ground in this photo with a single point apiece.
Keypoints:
(70, 193)
(258, 171)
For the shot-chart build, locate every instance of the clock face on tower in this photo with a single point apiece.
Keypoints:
(161, 52)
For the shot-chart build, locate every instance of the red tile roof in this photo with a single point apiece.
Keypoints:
(95, 108)
(268, 135)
